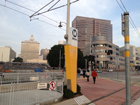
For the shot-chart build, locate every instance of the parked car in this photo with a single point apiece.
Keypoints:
(109, 70)
(81, 71)
(1, 75)
(99, 71)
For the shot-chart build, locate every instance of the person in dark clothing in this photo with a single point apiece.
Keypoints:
(84, 73)
(78, 73)
(87, 74)
(94, 75)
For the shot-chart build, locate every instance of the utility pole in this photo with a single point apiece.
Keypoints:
(125, 30)
(60, 60)
(66, 36)
(68, 19)
(86, 64)
(91, 67)
(117, 66)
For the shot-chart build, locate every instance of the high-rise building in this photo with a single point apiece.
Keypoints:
(44, 53)
(29, 49)
(91, 27)
(7, 54)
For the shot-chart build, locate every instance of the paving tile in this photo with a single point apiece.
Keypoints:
(104, 87)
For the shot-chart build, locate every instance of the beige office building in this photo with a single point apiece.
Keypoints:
(100, 48)
(29, 49)
(134, 56)
(44, 53)
(7, 54)
(90, 27)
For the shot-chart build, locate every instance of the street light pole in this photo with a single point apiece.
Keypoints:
(68, 18)
(127, 59)
(60, 60)
(66, 36)
(91, 67)
(86, 64)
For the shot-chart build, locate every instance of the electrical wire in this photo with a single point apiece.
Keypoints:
(40, 9)
(13, 9)
(29, 15)
(31, 10)
(54, 8)
(119, 5)
(131, 21)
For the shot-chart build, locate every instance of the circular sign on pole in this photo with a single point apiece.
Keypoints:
(45, 75)
(52, 85)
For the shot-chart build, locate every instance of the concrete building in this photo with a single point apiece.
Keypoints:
(7, 54)
(99, 33)
(134, 56)
(29, 49)
(91, 27)
(100, 46)
(44, 53)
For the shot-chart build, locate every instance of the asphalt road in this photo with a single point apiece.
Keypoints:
(120, 76)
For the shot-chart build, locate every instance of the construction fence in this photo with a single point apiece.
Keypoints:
(30, 88)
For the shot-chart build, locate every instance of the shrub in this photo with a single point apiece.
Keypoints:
(78, 89)
(68, 93)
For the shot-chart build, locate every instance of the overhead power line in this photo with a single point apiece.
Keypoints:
(131, 21)
(29, 15)
(51, 8)
(31, 10)
(119, 5)
(130, 18)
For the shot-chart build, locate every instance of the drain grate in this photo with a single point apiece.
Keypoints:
(82, 100)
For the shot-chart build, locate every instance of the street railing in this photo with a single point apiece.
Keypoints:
(31, 88)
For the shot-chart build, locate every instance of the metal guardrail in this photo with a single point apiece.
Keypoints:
(23, 88)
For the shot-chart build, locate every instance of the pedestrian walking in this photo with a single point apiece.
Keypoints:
(87, 74)
(94, 75)
(78, 73)
(84, 73)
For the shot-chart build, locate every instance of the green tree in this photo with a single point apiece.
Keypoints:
(18, 59)
(54, 54)
(53, 57)
(81, 61)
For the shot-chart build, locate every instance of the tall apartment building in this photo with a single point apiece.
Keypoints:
(29, 49)
(7, 54)
(90, 27)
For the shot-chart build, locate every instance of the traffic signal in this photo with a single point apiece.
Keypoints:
(91, 58)
(109, 52)
(111, 58)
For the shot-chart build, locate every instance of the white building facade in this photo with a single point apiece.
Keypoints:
(44, 53)
(7, 54)
(134, 55)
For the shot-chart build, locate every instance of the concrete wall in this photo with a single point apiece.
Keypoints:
(7, 54)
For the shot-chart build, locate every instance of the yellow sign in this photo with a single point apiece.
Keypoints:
(131, 64)
(71, 66)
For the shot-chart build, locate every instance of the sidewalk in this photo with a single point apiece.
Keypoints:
(103, 87)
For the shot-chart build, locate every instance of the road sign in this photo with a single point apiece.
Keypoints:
(42, 86)
(131, 64)
(52, 85)
(45, 75)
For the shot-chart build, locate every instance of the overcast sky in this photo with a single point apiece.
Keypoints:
(16, 27)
